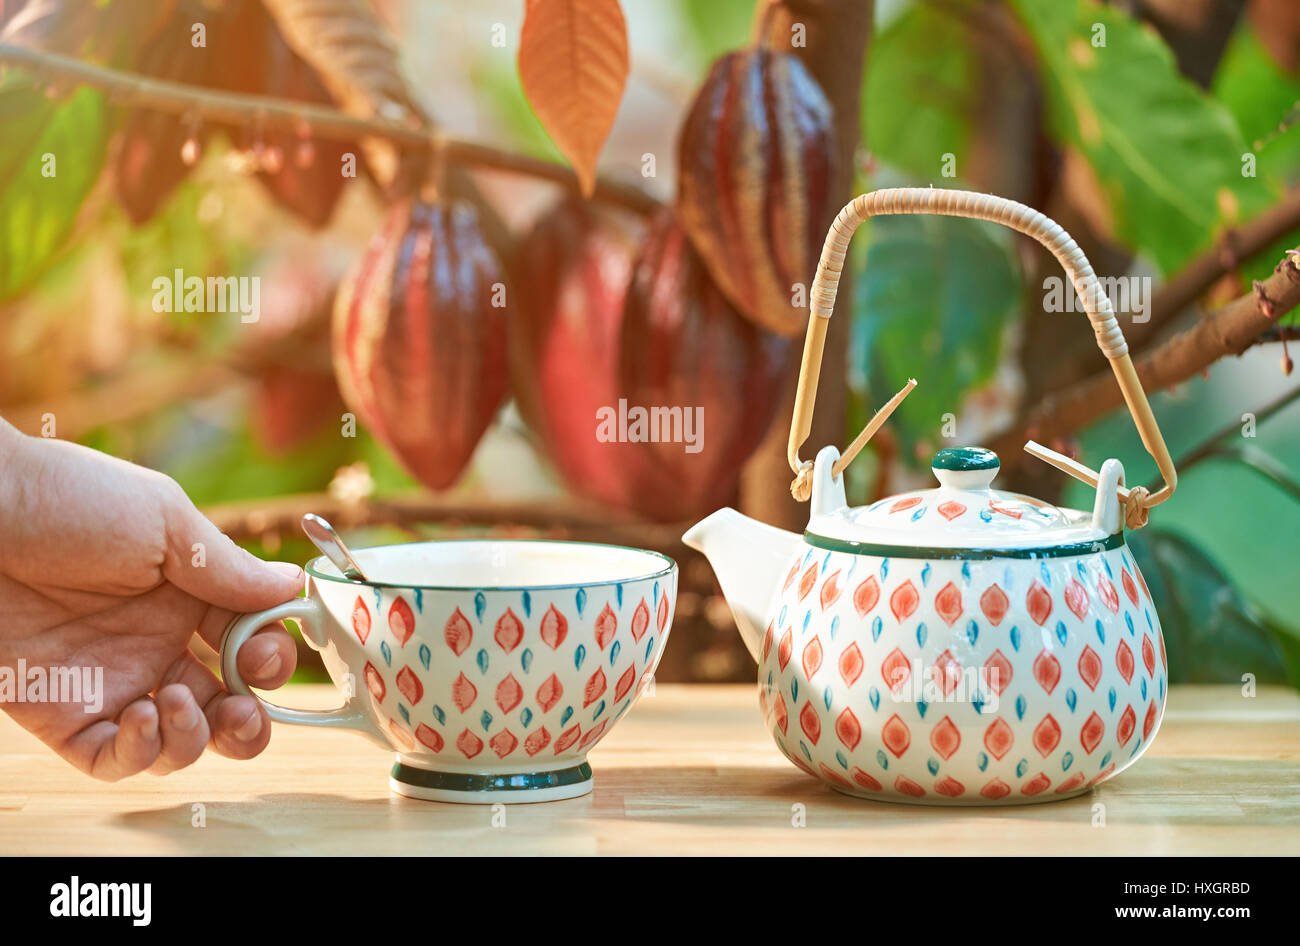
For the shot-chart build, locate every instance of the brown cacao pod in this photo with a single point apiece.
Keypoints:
(307, 178)
(564, 336)
(419, 337)
(683, 345)
(148, 164)
(755, 162)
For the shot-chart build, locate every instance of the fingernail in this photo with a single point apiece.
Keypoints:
(185, 718)
(149, 728)
(251, 727)
(268, 669)
(287, 569)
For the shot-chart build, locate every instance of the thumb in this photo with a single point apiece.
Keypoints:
(206, 563)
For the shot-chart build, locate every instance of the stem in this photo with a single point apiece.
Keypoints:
(1226, 331)
(230, 107)
(1230, 251)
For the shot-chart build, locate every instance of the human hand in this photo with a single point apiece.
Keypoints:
(104, 564)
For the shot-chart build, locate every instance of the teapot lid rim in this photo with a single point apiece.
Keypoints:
(1077, 544)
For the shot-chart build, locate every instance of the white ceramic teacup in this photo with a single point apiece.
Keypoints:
(490, 666)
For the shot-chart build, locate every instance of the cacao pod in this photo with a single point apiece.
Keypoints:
(148, 164)
(755, 163)
(310, 188)
(683, 345)
(419, 337)
(295, 397)
(564, 336)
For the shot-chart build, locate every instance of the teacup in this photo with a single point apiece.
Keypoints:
(491, 667)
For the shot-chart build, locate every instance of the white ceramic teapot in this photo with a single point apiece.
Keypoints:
(955, 645)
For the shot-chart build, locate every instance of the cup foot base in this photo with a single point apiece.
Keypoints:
(489, 789)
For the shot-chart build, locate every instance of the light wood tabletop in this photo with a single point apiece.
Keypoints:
(690, 771)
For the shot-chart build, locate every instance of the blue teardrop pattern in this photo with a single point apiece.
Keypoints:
(486, 720)
(921, 707)
(884, 569)
(526, 717)
(566, 715)
(925, 574)
(1015, 638)
(972, 632)
(419, 600)
(439, 714)
(406, 714)
(1062, 634)
(921, 634)
(618, 594)
(933, 765)
(480, 605)
(794, 690)
(982, 760)
(600, 708)
(882, 760)
(1021, 768)
(876, 627)
(835, 626)
(386, 652)
(426, 656)
(1021, 705)
(1101, 631)
(874, 696)
(1071, 699)
(482, 659)
(528, 605)
(1128, 619)
(1067, 760)
(1110, 698)
(828, 697)
(580, 600)
(579, 656)
(526, 659)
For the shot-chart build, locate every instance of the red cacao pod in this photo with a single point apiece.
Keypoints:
(683, 345)
(419, 337)
(575, 263)
(755, 162)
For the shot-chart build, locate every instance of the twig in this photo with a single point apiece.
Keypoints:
(1212, 446)
(1229, 330)
(1232, 249)
(282, 515)
(126, 88)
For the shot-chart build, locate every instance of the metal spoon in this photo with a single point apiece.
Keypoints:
(324, 537)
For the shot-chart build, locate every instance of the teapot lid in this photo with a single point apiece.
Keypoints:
(964, 512)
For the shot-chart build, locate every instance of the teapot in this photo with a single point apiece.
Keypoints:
(956, 645)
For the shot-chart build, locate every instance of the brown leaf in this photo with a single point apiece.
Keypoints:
(573, 64)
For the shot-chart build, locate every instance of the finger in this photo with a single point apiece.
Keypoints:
(240, 727)
(267, 659)
(204, 562)
(113, 750)
(183, 726)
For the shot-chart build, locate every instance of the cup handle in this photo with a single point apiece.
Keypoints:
(309, 615)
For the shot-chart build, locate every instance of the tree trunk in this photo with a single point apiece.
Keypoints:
(836, 33)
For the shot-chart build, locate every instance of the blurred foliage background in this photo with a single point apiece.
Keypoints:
(1138, 143)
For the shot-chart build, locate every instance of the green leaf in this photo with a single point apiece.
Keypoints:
(716, 27)
(1212, 635)
(918, 91)
(932, 301)
(37, 208)
(1167, 156)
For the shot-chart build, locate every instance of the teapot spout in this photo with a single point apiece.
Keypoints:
(750, 559)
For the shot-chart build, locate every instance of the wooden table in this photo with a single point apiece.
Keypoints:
(690, 771)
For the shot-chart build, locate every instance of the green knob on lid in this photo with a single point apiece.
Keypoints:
(965, 458)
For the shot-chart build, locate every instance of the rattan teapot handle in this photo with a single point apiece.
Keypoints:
(1017, 216)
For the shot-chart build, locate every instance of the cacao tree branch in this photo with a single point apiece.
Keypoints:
(1229, 330)
(125, 88)
(1232, 249)
(567, 517)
